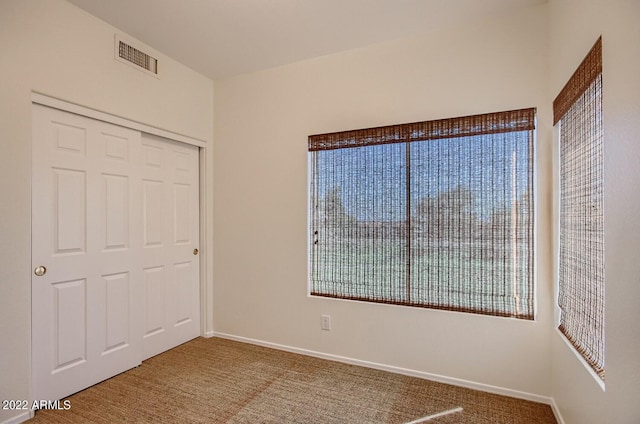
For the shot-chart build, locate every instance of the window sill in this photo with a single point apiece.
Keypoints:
(582, 361)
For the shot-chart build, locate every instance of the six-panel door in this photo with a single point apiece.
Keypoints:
(170, 234)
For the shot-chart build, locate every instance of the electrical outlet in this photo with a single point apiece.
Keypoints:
(325, 322)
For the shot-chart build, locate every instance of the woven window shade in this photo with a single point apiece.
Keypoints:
(587, 72)
(435, 214)
(581, 262)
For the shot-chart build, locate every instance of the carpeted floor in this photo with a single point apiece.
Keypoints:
(222, 381)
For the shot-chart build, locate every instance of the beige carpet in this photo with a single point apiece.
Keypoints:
(222, 381)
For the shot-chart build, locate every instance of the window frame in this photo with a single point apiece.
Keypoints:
(476, 125)
(588, 74)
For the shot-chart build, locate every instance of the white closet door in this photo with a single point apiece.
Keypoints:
(115, 223)
(170, 204)
(85, 232)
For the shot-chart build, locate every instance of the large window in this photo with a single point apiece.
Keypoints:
(578, 109)
(436, 214)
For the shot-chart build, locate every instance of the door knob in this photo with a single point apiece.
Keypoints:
(195, 251)
(40, 270)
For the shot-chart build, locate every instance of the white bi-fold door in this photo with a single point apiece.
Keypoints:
(110, 273)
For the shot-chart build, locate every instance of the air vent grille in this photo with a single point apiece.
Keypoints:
(139, 58)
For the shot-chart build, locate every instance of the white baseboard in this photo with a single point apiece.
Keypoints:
(24, 416)
(404, 371)
(208, 334)
(556, 411)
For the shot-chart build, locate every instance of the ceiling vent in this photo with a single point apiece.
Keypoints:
(127, 53)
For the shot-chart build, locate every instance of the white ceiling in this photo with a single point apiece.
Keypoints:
(222, 38)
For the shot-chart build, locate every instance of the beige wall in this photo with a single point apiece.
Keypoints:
(574, 27)
(261, 126)
(260, 218)
(54, 48)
